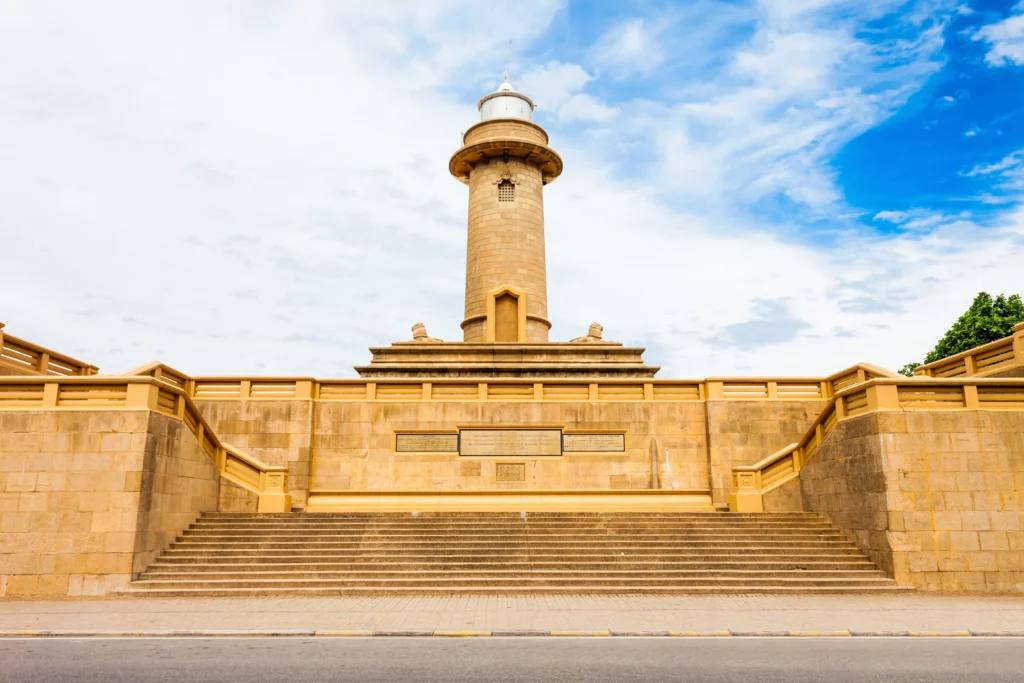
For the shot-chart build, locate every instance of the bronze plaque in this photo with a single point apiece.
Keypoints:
(594, 443)
(510, 442)
(426, 443)
(510, 471)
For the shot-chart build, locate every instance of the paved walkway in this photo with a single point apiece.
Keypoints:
(483, 613)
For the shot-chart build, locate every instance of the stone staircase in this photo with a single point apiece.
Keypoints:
(399, 553)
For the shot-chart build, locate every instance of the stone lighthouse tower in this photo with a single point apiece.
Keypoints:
(506, 161)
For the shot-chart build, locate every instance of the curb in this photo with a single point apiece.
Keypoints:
(287, 633)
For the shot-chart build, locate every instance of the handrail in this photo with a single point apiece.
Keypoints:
(268, 482)
(981, 361)
(511, 389)
(750, 482)
(34, 359)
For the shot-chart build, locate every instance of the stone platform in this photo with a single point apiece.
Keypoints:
(510, 500)
(507, 359)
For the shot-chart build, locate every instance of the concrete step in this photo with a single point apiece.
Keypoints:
(390, 564)
(339, 553)
(463, 574)
(135, 591)
(508, 515)
(514, 523)
(497, 532)
(489, 581)
(573, 546)
(260, 537)
(488, 550)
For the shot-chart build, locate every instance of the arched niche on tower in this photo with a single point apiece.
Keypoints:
(506, 315)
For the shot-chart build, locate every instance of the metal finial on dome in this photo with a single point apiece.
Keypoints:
(505, 102)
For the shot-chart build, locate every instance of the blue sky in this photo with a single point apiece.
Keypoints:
(776, 187)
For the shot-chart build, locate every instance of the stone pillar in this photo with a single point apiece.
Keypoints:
(505, 246)
(506, 163)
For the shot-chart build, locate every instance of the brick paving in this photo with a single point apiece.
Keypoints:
(908, 612)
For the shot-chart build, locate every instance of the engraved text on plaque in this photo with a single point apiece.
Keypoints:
(594, 443)
(426, 443)
(510, 471)
(510, 442)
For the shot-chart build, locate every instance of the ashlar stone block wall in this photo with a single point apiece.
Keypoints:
(349, 445)
(742, 432)
(935, 497)
(87, 498)
(353, 445)
(276, 432)
(179, 481)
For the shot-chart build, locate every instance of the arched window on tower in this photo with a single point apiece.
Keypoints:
(506, 191)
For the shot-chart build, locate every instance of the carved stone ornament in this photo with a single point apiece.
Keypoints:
(506, 174)
(595, 334)
(419, 334)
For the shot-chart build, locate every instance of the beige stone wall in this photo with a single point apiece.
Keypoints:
(73, 484)
(936, 497)
(742, 432)
(275, 432)
(348, 445)
(844, 479)
(785, 498)
(353, 448)
(506, 244)
(179, 481)
(234, 498)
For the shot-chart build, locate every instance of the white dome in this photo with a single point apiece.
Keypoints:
(506, 103)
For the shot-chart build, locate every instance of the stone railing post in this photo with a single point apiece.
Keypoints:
(1017, 331)
(273, 496)
(746, 493)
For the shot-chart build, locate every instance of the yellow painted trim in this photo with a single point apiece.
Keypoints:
(521, 302)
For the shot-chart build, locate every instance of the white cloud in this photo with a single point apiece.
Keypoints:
(628, 48)
(556, 87)
(553, 84)
(1010, 170)
(883, 299)
(239, 188)
(892, 216)
(1005, 39)
(583, 107)
(1010, 162)
(770, 118)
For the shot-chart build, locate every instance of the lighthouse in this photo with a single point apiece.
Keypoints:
(506, 162)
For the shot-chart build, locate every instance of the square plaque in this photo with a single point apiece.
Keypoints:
(521, 442)
(510, 471)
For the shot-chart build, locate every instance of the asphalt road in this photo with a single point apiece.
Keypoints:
(579, 660)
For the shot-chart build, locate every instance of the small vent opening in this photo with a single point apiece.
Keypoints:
(506, 191)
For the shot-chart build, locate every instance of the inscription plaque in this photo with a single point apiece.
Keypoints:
(594, 443)
(510, 442)
(426, 443)
(510, 471)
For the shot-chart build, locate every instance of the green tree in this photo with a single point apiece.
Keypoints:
(985, 321)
